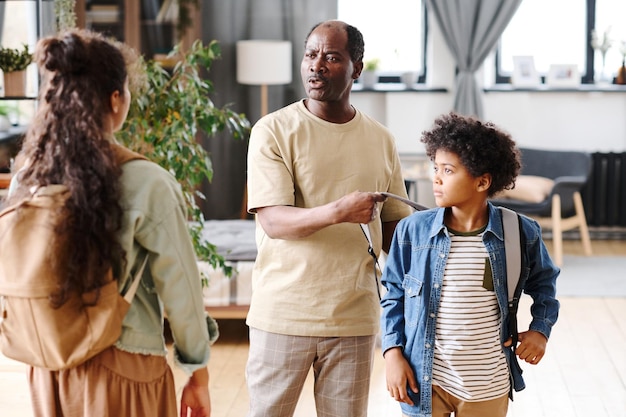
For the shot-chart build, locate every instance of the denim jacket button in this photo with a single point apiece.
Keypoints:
(427, 345)
(432, 315)
(426, 378)
(436, 285)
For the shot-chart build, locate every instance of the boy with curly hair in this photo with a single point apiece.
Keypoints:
(445, 318)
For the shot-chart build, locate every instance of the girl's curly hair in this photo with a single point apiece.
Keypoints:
(482, 148)
(67, 144)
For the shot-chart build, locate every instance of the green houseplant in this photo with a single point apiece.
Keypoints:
(5, 110)
(13, 63)
(168, 110)
(371, 64)
(369, 75)
(14, 59)
(65, 12)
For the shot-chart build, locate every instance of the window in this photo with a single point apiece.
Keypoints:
(610, 15)
(13, 32)
(394, 32)
(559, 32)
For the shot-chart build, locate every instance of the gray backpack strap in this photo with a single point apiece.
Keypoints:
(366, 231)
(513, 249)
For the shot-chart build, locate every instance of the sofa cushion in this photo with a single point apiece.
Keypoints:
(529, 188)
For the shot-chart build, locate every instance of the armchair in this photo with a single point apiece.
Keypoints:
(562, 208)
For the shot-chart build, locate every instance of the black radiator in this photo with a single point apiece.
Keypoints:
(604, 195)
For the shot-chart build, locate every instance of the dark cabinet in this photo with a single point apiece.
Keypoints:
(149, 26)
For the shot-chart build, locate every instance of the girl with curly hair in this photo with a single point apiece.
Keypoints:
(114, 217)
(445, 317)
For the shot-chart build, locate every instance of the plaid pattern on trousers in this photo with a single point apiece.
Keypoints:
(278, 366)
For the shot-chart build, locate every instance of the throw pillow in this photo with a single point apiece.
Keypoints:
(529, 188)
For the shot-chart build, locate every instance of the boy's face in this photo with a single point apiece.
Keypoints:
(453, 185)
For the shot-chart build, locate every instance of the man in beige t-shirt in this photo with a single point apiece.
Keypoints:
(315, 172)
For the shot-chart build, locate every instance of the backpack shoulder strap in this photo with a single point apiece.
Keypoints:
(513, 249)
(130, 293)
(123, 155)
(366, 231)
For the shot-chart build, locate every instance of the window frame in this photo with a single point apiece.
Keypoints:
(393, 77)
(587, 76)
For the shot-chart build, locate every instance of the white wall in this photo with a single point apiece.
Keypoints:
(569, 120)
(588, 121)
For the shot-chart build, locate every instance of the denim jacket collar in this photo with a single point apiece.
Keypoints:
(494, 225)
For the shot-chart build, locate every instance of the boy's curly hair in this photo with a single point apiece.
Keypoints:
(482, 147)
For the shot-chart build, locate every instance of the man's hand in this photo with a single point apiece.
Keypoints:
(288, 222)
(531, 348)
(358, 207)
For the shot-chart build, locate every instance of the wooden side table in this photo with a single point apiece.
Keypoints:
(5, 180)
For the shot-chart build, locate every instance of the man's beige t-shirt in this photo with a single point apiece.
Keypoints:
(322, 285)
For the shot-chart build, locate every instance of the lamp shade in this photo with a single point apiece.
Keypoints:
(263, 62)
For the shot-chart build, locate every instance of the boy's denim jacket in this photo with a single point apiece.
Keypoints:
(413, 277)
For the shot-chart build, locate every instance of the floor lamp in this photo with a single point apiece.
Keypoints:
(262, 62)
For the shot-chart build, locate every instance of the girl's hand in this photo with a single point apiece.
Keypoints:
(196, 400)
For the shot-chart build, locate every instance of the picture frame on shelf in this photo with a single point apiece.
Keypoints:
(563, 75)
(524, 72)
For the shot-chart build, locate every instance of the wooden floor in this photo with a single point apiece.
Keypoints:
(582, 375)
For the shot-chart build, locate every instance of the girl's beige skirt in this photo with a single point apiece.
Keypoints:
(113, 383)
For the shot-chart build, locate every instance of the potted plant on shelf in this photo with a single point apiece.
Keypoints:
(5, 124)
(369, 75)
(168, 109)
(13, 63)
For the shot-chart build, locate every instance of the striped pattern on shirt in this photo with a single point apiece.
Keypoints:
(468, 360)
